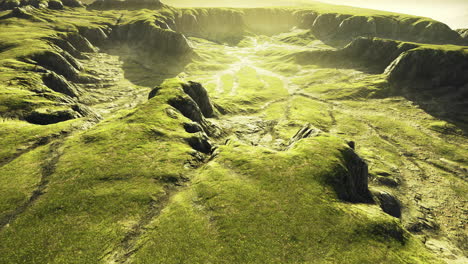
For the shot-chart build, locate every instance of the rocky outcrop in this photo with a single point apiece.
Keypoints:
(199, 94)
(52, 4)
(126, 5)
(373, 54)
(430, 68)
(225, 25)
(194, 104)
(57, 63)
(352, 186)
(59, 84)
(149, 38)
(50, 116)
(269, 21)
(388, 203)
(305, 132)
(335, 26)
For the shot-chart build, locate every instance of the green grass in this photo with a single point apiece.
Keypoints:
(253, 205)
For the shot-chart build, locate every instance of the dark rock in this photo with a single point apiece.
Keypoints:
(72, 60)
(352, 185)
(55, 4)
(351, 144)
(192, 128)
(57, 63)
(10, 4)
(154, 92)
(86, 111)
(59, 84)
(223, 25)
(48, 117)
(388, 203)
(199, 94)
(201, 143)
(430, 68)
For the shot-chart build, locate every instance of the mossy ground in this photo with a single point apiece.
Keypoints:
(124, 189)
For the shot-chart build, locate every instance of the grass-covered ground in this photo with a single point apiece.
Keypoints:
(131, 189)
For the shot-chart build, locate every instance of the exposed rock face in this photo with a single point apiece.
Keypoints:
(269, 21)
(201, 143)
(47, 117)
(126, 5)
(463, 33)
(430, 69)
(356, 26)
(388, 203)
(372, 53)
(213, 24)
(305, 132)
(52, 4)
(352, 185)
(147, 37)
(59, 84)
(57, 63)
(199, 94)
(79, 42)
(195, 105)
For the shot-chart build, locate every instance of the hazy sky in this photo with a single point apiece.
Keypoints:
(452, 12)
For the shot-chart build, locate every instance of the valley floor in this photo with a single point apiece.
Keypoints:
(411, 154)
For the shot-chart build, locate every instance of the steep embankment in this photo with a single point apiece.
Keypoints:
(424, 73)
(169, 176)
(232, 24)
(53, 67)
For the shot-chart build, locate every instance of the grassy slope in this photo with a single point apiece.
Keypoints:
(93, 200)
(251, 205)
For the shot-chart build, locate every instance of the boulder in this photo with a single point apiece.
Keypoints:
(388, 203)
(305, 132)
(55, 4)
